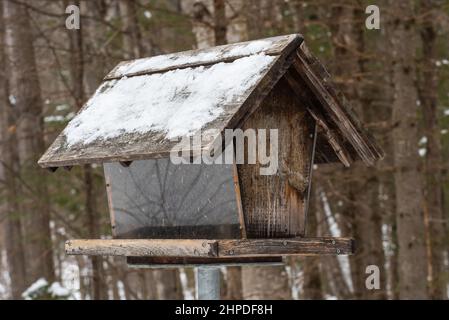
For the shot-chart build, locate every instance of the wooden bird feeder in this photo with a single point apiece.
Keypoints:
(188, 214)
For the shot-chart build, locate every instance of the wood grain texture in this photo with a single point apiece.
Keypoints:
(274, 205)
(330, 142)
(172, 251)
(290, 246)
(238, 196)
(143, 247)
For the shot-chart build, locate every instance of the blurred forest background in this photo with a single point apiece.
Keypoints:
(397, 78)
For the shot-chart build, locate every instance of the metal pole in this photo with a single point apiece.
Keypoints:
(208, 283)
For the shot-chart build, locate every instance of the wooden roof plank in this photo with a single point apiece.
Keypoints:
(318, 80)
(332, 138)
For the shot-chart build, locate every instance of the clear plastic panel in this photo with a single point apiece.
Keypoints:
(155, 199)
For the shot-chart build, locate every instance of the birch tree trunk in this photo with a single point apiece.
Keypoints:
(408, 180)
(25, 88)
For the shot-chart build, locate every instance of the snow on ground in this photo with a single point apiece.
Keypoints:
(177, 102)
(57, 290)
(5, 279)
(336, 233)
(35, 287)
(170, 60)
(71, 277)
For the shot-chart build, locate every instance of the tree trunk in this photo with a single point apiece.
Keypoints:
(99, 288)
(9, 160)
(220, 22)
(408, 181)
(168, 285)
(25, 88)
(132, 37)
(202, 21)
(428, 94)
(237, 26)
(312, 289)
(261, 283)
(233, 284)
(362, 205)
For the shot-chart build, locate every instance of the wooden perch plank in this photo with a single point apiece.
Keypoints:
(289, 246)
(143, 247)
(212, 249)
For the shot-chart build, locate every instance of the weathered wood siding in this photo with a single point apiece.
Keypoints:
(274, 205)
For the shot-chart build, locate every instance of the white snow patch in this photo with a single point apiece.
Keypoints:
(62, 107)
(54, 118)
(5, 280)
(147, 14)
(446, 112)
(12, 99)
(169, 60)
(444, 131)
(36, 286)
(423, 140)
(71, 277)
(121, 290)
(177, 102)
(58, 291)
(187, 292)
(422, 152)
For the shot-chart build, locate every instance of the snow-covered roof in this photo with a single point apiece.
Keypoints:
(208, 56)
(175, 103)
(144, 106)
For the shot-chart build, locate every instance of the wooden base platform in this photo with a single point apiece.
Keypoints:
(229, 250)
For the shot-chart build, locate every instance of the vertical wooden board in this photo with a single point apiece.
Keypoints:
(110, 206)
(274, 205)
(239, 201)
